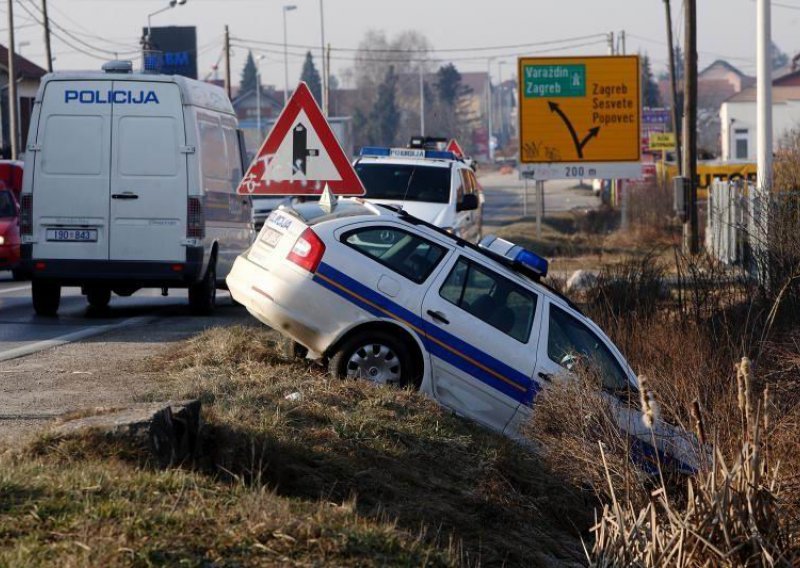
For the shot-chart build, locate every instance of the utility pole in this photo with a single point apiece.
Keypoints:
(764, 99)
(622, 39)
(47, 50)
(12, 83)
(328, 80)
(691, 235)
(227, 62)
(761, 199)
(421, 98)
(673, 83)
(611, 43)
(325, 70)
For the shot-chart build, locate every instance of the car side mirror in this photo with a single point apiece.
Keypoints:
(468, 203)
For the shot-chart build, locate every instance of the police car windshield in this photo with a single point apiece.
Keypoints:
(400, 182)
(7, 208)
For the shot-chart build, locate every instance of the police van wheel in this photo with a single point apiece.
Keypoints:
(98, 298)
(374, 356)
(203, 295)
(46, 297)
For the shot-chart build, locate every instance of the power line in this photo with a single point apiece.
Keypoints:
(58, 36)
(431, 50)
(713, 54)
(67, 32)
(258, 49)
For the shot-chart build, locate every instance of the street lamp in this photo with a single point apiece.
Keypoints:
(258, 94)
(172, 4)
(489, 106)
(286, 8)
(501, 97)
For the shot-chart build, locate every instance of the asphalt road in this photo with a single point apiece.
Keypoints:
(506, 202)
(23, 332)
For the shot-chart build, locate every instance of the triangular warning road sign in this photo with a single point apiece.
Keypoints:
(300, 155)
(455, 148)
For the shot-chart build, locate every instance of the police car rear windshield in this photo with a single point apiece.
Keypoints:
(400, 182)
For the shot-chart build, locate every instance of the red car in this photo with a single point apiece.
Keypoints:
(9, 231)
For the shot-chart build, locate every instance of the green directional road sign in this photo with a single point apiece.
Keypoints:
(554, 80)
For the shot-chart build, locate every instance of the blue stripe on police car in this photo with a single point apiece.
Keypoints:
(98, 97)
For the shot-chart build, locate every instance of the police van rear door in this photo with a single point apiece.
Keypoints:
(71, 172)
(148, 194)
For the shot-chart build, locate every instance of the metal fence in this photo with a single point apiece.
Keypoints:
(759, 237)
(728, 222)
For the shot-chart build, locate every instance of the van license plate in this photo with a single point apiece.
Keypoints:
(271, 237)
(72, 235)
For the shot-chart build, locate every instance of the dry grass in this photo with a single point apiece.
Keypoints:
(349, 475)
(732, 514)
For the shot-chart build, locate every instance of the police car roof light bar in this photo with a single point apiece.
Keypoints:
(383, 152)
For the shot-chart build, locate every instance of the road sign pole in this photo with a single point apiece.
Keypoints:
(624, 188)
(525, 199)
(539, 207)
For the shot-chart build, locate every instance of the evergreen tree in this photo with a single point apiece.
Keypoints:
(651, 96)
(312, 77)
(249, 74)
(779, 58)
(385, 115)
(448, 83)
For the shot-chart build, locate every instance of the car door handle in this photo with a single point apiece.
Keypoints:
(438, 316)
(545, 377)
(125, 195)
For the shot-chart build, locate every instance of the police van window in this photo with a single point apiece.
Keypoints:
(570, 342)
(404, 253)
(233, 168)
(148, 146)
(405, 182)
(212, 151)
(73, 145)
(492, 298)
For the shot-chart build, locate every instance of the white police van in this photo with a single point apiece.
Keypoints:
(130, 182)
(388, 297)
(433, 185)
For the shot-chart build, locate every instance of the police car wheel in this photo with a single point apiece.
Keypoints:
(374, 356)
(46, 297)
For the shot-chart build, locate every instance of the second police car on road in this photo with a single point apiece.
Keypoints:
(433, 185)
(388, 297)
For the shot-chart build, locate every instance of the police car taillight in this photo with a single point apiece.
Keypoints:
(307, 251)
(517, 257)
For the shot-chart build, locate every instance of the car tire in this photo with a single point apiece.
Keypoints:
(377, 356)
(98, 298)
(18, 275)
(46, 297)
(203, 295)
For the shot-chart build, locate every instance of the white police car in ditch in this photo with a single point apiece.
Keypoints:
(385, 296)
(433, 185)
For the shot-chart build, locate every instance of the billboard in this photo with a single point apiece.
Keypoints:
(178, 47)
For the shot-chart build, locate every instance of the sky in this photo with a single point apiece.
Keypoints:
(726, 29)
